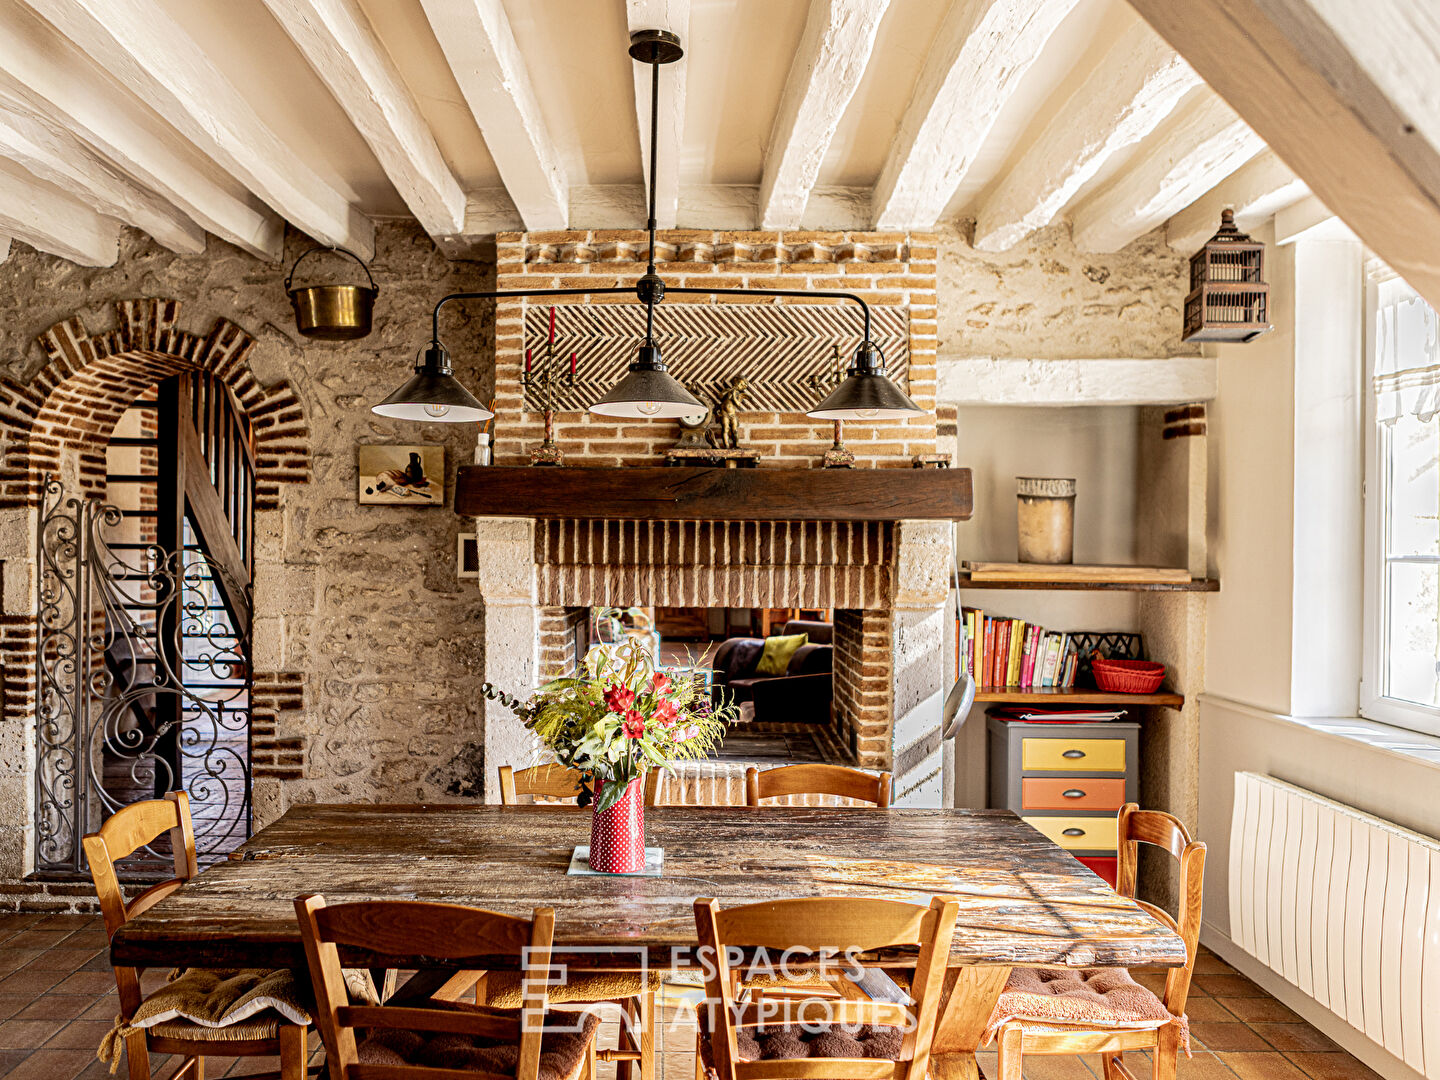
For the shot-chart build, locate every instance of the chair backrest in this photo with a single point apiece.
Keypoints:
(555, 781)
(1166, 831)
(450, 933)
(816, 780)
(822, 926)
(125, 832)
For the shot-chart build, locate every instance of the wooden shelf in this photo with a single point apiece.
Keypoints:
(685, 493)
(1193, 585)
(1013, 695)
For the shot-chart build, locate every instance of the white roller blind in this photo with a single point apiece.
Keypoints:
(1407, 354)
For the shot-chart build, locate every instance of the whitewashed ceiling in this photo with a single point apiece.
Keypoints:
(229, 117)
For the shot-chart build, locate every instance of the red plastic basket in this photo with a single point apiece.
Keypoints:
(1127, 676)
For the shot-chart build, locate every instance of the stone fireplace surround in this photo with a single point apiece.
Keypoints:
(886, 581)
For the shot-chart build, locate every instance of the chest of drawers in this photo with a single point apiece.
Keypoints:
(1067, 780)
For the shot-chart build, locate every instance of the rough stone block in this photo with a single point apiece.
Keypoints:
(286, 590)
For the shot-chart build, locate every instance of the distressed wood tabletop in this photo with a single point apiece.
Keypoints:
(1023, 900)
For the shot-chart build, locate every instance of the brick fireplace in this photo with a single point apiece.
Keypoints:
(886, 580)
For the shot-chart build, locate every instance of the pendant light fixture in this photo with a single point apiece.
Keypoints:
(648, 391)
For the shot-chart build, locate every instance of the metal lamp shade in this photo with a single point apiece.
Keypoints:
(648, 392)
(434, 396)
(865, 393)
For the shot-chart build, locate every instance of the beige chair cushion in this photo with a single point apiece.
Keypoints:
(562, 1047)
(502, 988)
(1079, 999)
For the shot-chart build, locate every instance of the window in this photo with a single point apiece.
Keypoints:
(1401, 680)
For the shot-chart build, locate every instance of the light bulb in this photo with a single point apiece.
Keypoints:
(648, 408)
(436, 410)
(867, 414)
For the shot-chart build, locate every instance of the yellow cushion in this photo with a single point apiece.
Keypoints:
(778, 651)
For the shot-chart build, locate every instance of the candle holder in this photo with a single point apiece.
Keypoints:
(544, 378)
(839, 456)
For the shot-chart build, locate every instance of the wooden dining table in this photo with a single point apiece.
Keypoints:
(1023, 900)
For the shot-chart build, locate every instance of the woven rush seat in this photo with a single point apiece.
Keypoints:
(502, 988)
(562, 1047)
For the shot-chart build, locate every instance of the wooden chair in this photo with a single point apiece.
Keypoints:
(1136, 827)
(445, 932)
(123, 833)
(555, 781)
(634, 992)
(817, 780)
(815, 925)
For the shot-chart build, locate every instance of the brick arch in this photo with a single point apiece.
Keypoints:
(89, 380)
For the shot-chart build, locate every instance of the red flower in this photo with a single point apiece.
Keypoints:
(634, 724)
(666, 713)
(661, 682)
(619, 698)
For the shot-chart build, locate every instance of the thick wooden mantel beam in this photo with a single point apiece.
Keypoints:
(1338, 90)
(708, 494)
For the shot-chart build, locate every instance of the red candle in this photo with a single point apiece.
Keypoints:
(527, 360)
(552, 325)
(572, 363)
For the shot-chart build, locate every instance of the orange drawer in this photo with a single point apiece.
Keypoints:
(1085, 793)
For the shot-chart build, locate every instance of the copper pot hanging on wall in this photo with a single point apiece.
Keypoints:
(333, 312)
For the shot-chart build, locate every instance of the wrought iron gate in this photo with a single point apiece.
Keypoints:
(143, 682)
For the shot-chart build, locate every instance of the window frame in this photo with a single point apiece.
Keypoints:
(1374, 705)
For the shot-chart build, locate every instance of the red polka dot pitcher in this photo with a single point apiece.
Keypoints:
(617, 834)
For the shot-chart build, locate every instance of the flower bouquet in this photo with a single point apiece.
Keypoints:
(616, 719)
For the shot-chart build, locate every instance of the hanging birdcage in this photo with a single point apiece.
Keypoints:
(1229, 300)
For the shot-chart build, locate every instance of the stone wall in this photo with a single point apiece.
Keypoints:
(375, 645)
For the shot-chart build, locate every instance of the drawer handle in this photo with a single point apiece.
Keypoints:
(1074, 793)
(1073, 832)
(1073, 754)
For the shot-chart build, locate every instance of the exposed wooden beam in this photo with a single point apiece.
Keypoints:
(1135, 86)
(139, 45)
(981, 53)
(1203, 144)
(53, 222)
(672, 15)
(4, 248)
(56, 156)
(829, 63)
(1337, 89)
(991, 380)
(1309, 219)
(46, 78)
(480, 47)
(1255, 191)
(337, 40)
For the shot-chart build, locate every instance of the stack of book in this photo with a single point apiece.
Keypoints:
(1001, 652)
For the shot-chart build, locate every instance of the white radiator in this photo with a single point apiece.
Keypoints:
(1344, 905)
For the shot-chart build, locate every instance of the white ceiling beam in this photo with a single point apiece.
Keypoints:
(337, 40)
(139, 45)
(1202, 146)
(53, 222)
(981, 54)
(993, 380)
(486, 62)
(4, 248)
(56, 156)
(1134, 87)
(834, 50)
(1255, 191)
(1339, 90)
(1310, 219)
(48, 80)
(674, 16)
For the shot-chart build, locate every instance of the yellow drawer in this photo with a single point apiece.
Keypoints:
(1079, 833)
(1078, 755)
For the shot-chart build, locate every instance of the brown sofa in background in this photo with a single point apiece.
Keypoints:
(801, 696)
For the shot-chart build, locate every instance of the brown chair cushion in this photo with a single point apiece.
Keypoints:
(1083, 998)
(823, 1041)
(562, 1050)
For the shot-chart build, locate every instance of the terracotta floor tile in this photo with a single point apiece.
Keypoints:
(15, 959)
(10, 1004)
(1332, 1066)
(86, 982)
(1226, 1036)
(1208, 1009)
(1262, 1066)
(104, 1009)
(1201, 1066)
(1207, 963)
(62, 958)
(1228, 986)
(87, 939)
(1056, 1067)
(54, 1007)
(27, 1034)
(10, 1058)
(80, 1033)
(1260, 1010)
(36, 939)
(68, 923)
(53, 1065)
(28, 983)
(1299, 1036)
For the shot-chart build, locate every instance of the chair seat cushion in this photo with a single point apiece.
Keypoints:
(1081, 999)
(812, 1041)
(562, 1046)
(502, 988)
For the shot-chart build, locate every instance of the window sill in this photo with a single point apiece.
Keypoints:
(1385, 738)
